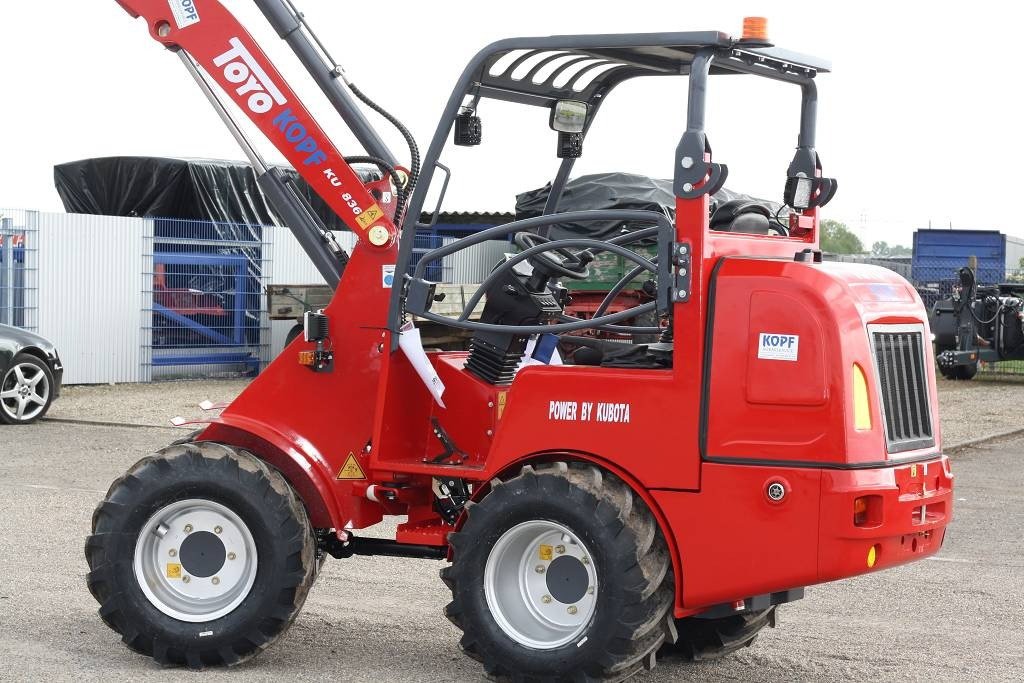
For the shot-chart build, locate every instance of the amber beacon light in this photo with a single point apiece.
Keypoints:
(755, 30)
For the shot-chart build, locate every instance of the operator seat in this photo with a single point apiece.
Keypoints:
(746, 216)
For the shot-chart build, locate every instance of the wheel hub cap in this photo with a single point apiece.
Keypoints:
(567, 579)
(541, 585)
(195, 560)
(202, 554)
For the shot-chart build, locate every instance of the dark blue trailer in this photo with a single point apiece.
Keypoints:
(938, 254)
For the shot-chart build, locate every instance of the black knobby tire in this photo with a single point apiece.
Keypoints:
(967, 371)
(259, 496)
(632, 608)
(957, 372)
(701, 639)
(23, 359)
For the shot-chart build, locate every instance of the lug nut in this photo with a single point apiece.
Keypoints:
(546, 599)
(217, 529)
(231, 556)
(572, 609)
(585, 560)
(186, 578)
(590, 590)
(559, 549)
(172, 552)
(188, 528)
(539, 569)
(215, 581)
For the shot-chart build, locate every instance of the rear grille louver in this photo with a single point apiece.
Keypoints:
(903, 386)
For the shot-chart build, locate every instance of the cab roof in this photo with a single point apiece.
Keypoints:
(545, 69)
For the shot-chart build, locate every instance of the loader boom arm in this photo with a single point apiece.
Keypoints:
(229, 55)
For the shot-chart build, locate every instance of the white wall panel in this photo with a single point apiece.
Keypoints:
(90, 294)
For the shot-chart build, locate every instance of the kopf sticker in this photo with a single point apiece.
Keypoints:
(775, 346)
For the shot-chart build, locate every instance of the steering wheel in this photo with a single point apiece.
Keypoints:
(570, 264)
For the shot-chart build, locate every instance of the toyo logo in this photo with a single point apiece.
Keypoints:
(773, 346)
(241, 68)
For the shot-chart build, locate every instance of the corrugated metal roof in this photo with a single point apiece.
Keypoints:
(471, 217)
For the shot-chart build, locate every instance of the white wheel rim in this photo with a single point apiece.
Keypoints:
(24, 392)
(541, 586)
(195, 560)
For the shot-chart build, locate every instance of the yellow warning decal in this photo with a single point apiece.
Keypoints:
(173, 570)
(369, 217)
(913, 470)
(502, 398)
(546, 552)
(351, 469)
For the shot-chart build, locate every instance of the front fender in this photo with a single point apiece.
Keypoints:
(301, 464)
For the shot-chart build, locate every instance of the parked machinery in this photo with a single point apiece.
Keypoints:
(593, 515)
(978, 323)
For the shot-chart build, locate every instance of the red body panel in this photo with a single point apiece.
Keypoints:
(320, 418)
(734, 542)
(790, 411)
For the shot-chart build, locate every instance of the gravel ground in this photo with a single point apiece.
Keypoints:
(983, 406)
(968, 410)
(958, 616)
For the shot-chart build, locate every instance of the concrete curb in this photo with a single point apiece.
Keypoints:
(982, 440)
(101, 423)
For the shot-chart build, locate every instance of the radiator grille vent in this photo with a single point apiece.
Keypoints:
(903, 387)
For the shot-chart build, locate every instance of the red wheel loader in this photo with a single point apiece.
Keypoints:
(592, 513)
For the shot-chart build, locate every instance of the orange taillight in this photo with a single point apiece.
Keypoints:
(867, 511)
(860, 511)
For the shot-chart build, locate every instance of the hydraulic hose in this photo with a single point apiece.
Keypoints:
(414, 150)
(401, 192)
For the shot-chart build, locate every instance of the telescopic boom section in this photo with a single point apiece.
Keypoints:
(215, 39)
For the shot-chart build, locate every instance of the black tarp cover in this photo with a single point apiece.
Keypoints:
(223, 192)
(611, 191)
(189, 199)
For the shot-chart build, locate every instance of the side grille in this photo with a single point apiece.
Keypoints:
(903, 386)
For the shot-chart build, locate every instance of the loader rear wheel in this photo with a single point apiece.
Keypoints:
(701, 639)
(561, 573)
(200, 555)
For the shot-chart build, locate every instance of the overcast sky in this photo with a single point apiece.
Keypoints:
(920, 121)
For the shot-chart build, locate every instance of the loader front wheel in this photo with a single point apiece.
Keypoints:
(200, 555)
(561, 573)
